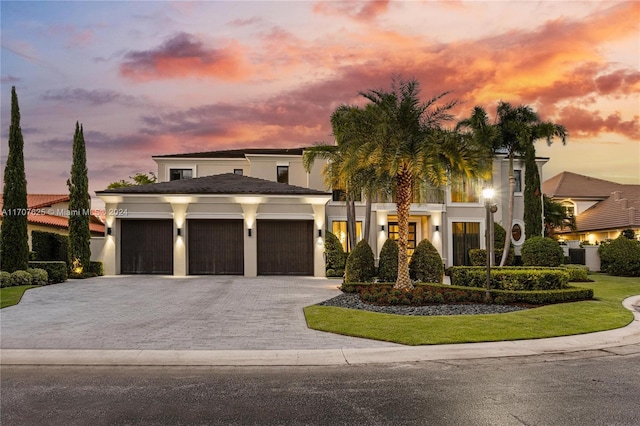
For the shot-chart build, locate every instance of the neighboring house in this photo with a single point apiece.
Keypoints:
(603, 209)
(50, 213)
(258, 212)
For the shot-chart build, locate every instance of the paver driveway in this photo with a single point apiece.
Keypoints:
(153, 312)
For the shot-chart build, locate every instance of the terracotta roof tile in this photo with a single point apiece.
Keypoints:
(573, 185)
(620, 210)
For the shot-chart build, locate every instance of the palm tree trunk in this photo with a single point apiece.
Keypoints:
(367, 218)
(403, 206)
(351, 223)
(507, 238)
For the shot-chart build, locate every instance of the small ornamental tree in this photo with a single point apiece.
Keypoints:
(79, 206)
(388, 264)
(542, 251)
(532, 196)
(335, 257)
(15, 240)
(360, 264)
(426, 264)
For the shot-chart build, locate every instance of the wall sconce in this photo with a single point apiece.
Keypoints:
(249, 231)
(437, 228)
(382, 228)
(109, 230)
(179, 232)
(320, 233)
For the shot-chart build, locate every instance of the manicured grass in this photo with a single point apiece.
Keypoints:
(604, 313)
(10, 296)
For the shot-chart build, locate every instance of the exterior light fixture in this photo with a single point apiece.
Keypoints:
(109, 230)
(249, 231)
(319, 232)
(488, 194)
(437, 228)
(382, 228)
(179, 232)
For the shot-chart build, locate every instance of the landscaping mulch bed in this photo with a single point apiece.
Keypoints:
(353, 301)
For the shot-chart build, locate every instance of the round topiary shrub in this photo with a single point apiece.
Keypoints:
(426, 264)
(20, 278)
(388, 264)
(360, 264)
(620, 257)
(335, 257)
(5, 279)
(38, 276)
(542, 251)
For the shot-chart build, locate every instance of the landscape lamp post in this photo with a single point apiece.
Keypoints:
(488, 194)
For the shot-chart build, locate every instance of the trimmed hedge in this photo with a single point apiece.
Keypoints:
(96, 268)
(50, 246)
(360, 264)
(426, 264)
(21, 278)
(56, 270)
(426, 294)
(510, 278)
(388, 264)
(39, 276)
(478, 257)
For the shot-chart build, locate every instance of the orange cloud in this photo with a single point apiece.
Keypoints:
(584, 123)
(185, 56)
(359, 10)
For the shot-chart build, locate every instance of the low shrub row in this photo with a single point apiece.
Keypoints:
(56, 270)
(427, 294)
(32, 276)
(510, 278)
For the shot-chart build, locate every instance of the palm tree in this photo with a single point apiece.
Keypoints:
(518, 129)
(556, 217)
(409, 148)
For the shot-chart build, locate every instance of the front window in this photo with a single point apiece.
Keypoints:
(177, 174)
(464, 190)
(466, 236)
(394, 234)
(237, 172)
(569, 209)
(517, 174)
(283, 174)
(339, 229)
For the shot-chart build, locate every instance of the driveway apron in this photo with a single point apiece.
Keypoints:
(170, 313)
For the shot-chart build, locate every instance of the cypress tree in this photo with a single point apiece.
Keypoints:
(532, 196)
(79, 205)
(15, 240)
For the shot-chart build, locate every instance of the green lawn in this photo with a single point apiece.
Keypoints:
(604, 313)
(10, 296)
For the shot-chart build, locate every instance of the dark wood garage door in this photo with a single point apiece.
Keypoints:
(146, 246)
(216, 247)
(285, 247)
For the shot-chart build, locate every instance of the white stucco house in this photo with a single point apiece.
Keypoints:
(258, 212)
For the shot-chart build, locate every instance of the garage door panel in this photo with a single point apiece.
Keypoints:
(285, 247)
(146, 247)
(216, 247)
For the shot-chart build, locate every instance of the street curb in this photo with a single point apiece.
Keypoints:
(626, 338)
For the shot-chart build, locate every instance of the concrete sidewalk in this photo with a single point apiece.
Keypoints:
(227, 321)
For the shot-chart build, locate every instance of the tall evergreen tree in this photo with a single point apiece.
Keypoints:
(79, 204)
(15, 240)
(533, 226)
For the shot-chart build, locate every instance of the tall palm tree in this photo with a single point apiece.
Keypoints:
(556, 217)
(410, 148)
(519, 127)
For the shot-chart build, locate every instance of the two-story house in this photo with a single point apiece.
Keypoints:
(602, 209)
(258, 212)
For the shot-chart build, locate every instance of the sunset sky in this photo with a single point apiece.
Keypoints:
(153, 78)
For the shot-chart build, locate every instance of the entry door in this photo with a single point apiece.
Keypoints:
(216, 247)
(466, 236)
(285, 247)
(146, 247)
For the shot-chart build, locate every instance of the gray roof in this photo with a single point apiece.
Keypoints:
(236, 153)
(227, 183)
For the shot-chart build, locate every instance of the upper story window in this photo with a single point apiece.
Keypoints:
(464, 190)
(341, 195)
(517, 174)
(283, 174)
(237, 172)
(569, 208)
(177, 174)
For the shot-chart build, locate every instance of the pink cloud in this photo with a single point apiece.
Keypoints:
(184, 55)
(359, 10)
(584, 123)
